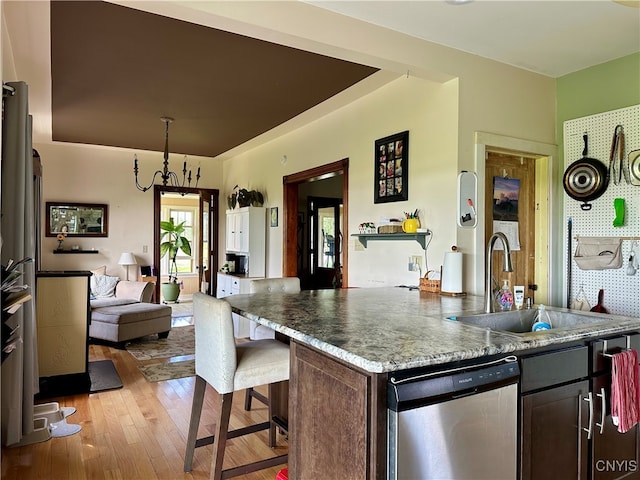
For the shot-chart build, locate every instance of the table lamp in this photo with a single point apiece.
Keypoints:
(127, 259)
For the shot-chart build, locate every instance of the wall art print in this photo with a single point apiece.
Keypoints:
(391, 168)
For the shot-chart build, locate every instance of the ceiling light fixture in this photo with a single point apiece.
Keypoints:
(168, 177)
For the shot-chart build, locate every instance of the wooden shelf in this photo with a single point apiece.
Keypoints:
(420, 237)
(75, 251)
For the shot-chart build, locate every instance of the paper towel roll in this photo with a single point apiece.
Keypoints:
(452, 273)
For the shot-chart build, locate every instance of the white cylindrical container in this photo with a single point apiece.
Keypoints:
(452, 272)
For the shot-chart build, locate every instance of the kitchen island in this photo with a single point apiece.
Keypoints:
(346, 343)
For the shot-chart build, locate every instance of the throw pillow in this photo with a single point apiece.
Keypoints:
(100, 270)
(103, 286)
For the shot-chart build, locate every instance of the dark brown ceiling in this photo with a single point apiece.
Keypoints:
(115, 71)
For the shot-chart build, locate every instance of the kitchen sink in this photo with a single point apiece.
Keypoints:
(521, 321)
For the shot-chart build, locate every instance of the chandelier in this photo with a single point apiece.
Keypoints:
(168, 177)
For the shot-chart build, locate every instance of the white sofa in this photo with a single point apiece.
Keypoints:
(128, 314)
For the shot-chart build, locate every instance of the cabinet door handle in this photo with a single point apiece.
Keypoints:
(603, 410)
(589, 399)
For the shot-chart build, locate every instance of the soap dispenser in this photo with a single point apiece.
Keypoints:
(504, 299)
(541, 319)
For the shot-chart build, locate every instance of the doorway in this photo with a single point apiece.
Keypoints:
(324, 244)
(510, 207)
(546, 278)
(198, 208)
(302, 230)
(516, 200)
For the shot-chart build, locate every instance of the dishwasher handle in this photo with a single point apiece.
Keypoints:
(396, 381)
(421, 389)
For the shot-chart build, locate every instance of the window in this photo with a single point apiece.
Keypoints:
(186, 264)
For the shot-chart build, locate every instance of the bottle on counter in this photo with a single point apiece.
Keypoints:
(504, 299)
(541, 320)
(518, 296)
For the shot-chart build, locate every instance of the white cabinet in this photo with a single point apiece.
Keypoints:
(238, 231)
(246, 236)
(232, 285)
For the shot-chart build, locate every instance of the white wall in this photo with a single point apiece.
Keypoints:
(468, 94)
(429, 111)
(93, 174)
(433, 115)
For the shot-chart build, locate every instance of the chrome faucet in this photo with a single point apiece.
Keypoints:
(489, 305)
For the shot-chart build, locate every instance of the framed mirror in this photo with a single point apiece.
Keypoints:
(76, 219)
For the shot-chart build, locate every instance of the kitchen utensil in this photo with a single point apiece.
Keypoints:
(599, 306)
(581, 302)
(569, 253)
(586, 178)
(634, 167)
(619, 168)
(633, 265)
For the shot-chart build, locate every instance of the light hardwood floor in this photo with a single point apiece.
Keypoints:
(138, 432)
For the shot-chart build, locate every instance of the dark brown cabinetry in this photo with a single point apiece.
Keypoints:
(552, 386)
(552, 446)
(614, 455)
(338, 422)
(566, 427)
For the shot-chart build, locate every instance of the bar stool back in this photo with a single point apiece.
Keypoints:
(228, 367)
(258, 332)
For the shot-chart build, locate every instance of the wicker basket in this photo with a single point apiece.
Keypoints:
(390, 229)
(429, 284)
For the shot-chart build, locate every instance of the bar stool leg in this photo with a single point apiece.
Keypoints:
(220, 435)
(247, 399)
(196, 410)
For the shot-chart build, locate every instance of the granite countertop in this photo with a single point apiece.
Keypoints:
(388, 329)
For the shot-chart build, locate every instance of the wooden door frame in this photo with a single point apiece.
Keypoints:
(523, 258)
(290, 213)
(213, 196)
(489, 141)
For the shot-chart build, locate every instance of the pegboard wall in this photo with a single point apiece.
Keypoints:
(621, 291)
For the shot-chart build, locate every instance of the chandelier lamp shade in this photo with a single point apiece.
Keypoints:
(168, 177)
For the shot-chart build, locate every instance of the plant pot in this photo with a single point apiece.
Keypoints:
(170, 292)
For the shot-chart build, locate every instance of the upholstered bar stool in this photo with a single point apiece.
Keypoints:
(228, 367)
(257, 331)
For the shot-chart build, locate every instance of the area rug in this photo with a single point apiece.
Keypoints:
(104, 376)
(181, 341)
(157, 372)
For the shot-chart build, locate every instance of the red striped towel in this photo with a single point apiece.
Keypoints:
(625, 390)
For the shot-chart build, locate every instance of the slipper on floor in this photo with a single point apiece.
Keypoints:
(63, 429)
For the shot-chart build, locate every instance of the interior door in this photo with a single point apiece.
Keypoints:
(325, 242)
(510, 206)
(207, 260)
(295, 219)
(205, 237)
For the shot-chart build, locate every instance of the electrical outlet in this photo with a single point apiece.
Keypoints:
(145, 248)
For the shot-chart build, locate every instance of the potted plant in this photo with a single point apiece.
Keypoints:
(244, 198)
(172, 241)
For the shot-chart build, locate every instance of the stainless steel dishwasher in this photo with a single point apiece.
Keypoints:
(455, 424)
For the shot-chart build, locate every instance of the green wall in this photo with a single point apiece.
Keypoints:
(605, 87)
